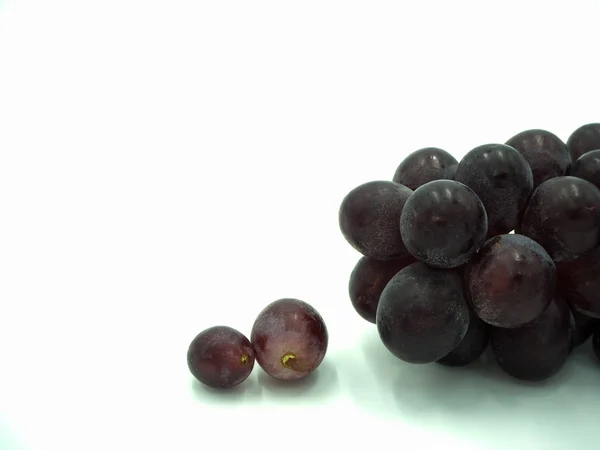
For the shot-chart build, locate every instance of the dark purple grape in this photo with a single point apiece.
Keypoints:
(510, 281)
(472, 345)
(584, 326)
(584, 139)
(588, 167)
(422, 313)
(546, 154)
(502, 179)
(290, 339)
(368, 279)
(596, 343)
(443, 223)
(537, 350)
(425, 165)
(579, 283)
(369, 217)
(563, 215)
(220, 357)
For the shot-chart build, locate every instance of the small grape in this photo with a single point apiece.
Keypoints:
(510, 281)
(588, 167)
(584, 139)
(579, 283)
(422, 313)
(537, 350)
(546, 154)
(472, 345)
(369, 217)
(290, 339)
(584, 327)
(443, 223)
(502, 179)
(563, 215)
(220, 357)
(425, 165)
(367, 281)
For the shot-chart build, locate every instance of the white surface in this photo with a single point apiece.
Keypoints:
(167, 166)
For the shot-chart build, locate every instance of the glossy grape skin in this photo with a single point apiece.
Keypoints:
(579, 283)
(425, 165)
(563, 215)
(502, 179)
(510, 281)
(290, 339)
(422, 314)
(369, 216)
(472, 345)
(588, 167)
(537, 350)
(584, 139)
(546, 154)
(220, 357)
(443, 223)
(367, 280)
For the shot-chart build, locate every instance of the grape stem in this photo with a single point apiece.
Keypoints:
(286, 358)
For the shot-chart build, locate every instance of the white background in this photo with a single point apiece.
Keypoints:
(171, 165)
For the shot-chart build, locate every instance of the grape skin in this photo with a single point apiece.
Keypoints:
(368, 279)
(368, 219)
(584, 139)
(579, 283)
(537, 350)
(546, 154)
(587, 167)
(563, 215)
(443, 223)
(510, 281)
(220, 357)
(502, 179)
(425, 165)
(290, 339)
(422, 314)
(584, 327)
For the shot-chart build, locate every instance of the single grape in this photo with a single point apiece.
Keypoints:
(502, 179)
(596, 342)
(588, 167)
(546, 154)
(563, 215)
(584, 139)
(425, 165)
(584, 327)
(422, 313)
(472, 345)
(510, 281)
(537, 350)
(579, 283)
(290, 339)
(367, 280)
(220, 357)
(369, 216)
(443, 223)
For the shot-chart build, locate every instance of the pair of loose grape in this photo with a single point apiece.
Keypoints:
(289, 341)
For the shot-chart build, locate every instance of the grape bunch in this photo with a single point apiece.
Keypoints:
(500, 249)
(288, 340)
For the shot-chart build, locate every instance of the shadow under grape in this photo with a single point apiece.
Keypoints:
(247, 391)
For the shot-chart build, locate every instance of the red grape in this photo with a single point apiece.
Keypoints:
(584, 139)
(472, 345)
(510, 281)
(425, 165)
(422, 313)
(367, 281)
(588, 167)
(290, 339)
(369, 217)
(579, 283)
(563, 215)
(220, 357)
(443, 223)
